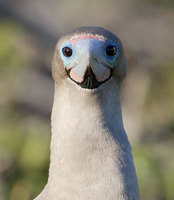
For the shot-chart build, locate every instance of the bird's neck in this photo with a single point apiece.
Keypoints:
(80, 113)
(88, 138)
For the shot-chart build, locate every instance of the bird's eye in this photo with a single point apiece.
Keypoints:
(67, 51)
(111, 50)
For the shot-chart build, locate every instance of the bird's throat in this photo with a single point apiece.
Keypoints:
(85, 128)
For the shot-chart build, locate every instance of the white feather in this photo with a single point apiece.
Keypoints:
(91, 156)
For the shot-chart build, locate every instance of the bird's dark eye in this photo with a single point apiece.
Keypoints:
(67, 51)
(111, 50)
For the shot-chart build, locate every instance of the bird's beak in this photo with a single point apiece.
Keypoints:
(90, 72)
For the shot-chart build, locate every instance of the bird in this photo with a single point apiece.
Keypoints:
(90, 154)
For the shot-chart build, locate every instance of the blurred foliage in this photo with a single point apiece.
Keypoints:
(155, 155)
(24, 157)
(12, 56)
(161, 92)
(24, 142)
(168, 3)
(154, 168)
(160, 104)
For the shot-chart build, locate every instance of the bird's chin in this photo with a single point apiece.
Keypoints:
(90, 81)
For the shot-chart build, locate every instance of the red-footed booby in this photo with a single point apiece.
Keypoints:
(91, 156)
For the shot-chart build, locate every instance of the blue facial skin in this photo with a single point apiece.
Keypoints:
(89, 52)
(67, 60)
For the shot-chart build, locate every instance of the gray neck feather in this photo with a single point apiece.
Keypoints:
(90, 153)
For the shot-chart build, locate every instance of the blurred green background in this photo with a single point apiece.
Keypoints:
(28, 34)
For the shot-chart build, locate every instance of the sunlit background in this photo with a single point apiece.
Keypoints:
(28, 34)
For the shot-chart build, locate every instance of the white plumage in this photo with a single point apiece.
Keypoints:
(90, 153)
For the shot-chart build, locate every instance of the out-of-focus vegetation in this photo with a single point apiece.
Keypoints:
(25, 130)
(24, 157)
(167, 3)
(24, 141)
(161, 96)
(154, 155)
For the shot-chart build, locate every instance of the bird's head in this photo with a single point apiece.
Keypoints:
(90, 57)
